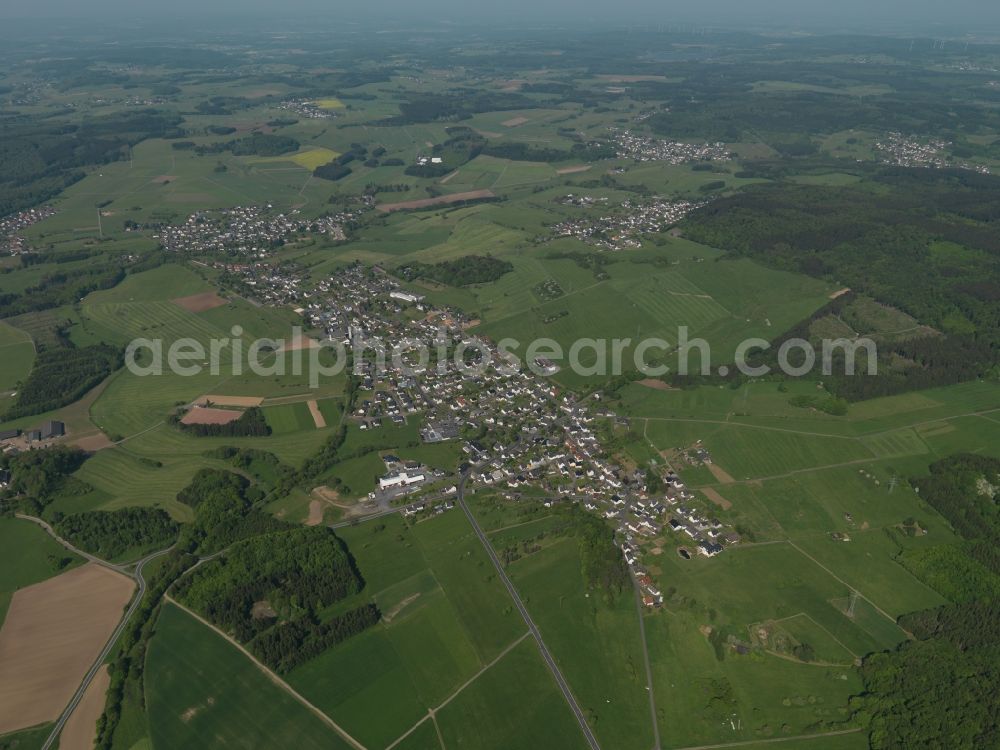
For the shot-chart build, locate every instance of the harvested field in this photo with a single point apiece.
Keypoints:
(317, 415)
(315, 513)
(203, 415)
(197, 303)
(656, 385)
(247, 401)
(300, 342)
(513, 122)
(442, 200)
(53, 632)
(93, 442)
(81, 727)
(721, 474)
(573, 170)
(716, 498)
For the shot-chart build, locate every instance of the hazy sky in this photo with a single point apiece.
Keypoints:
(971, 14)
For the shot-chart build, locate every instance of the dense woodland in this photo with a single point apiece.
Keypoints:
(225, 511)
(110, 534)
(35, 476)
(469, 269)
(62, 375)
(41, 157)
(269, 592)
(256, 144)
(920, 240)
(251, 423)
(943, 688)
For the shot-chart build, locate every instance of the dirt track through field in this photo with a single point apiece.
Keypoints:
(81, 728)
(53, 632)
(317, 415)
(716, 498)
(721, 474)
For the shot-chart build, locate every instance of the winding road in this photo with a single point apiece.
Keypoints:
(132, 607)
(536, 634)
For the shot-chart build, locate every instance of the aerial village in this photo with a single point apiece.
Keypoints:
(522, 436)
(623, 229)
(641, 148)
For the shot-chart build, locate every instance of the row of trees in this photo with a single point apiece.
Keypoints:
(469, 269)
(286, 575)
(62, 375)
(110, 534)
(251, 423)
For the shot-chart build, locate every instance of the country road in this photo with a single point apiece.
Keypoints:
(75, 550)
(99, 662)
(546, 655)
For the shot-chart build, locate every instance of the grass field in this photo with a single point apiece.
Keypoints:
(288, 418)
(308, 159)
(17, 355)
(514, 704)
(597, 646)
(445, 618)
(27, 555)
(202, 692)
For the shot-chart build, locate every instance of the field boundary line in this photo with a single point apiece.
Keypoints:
(543, 650)
(645, 658)
(272, 676)
(431, 712)
(796, 472)
(877, 608)
(821, 627)
(517, 525)
(743, 743)
(755, 427)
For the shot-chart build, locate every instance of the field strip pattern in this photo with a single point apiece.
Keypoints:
(52, 634)
(271, 675)
(431, 712)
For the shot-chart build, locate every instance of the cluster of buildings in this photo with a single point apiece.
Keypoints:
(10, 241)
(403, 478)
(903, 151)
(631, 145)
(246, 230)
(583, 201)
(307, 110)
(624, 229)
(15, 440)
(520, 433)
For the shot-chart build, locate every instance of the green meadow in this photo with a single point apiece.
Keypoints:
(200, 687)
(445, 618)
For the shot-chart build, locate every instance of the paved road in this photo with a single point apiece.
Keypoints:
(553, 667)
(75, 550)
(78, 695)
